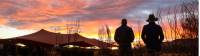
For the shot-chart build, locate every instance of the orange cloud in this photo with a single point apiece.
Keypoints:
(43, 14)
(47, 9)
(3, 21)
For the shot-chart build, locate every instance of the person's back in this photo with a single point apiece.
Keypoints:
(152, 35)
(124, 36)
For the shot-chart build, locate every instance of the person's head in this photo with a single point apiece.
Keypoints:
(152, 18)
(124, 21)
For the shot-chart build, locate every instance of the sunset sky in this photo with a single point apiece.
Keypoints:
(21, 17)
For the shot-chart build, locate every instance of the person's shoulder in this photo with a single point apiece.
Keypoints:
(129, 27)
(158, 26)
(119, 28)
(145, 25)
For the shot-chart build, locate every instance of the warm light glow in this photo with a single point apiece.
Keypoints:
(20, 44)
(114, 48)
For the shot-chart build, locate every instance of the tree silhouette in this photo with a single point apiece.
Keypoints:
(190, 19)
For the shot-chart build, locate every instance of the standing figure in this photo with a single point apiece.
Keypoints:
(124, 36)
(152, 35)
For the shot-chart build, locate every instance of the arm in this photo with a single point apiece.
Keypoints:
(132, 36)
(116, 37)
(143, 35)
(161, 34)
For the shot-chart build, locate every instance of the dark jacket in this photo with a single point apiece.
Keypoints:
(152, 35)
(124, 34)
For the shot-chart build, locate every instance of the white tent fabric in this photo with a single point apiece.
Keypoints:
(51, 38)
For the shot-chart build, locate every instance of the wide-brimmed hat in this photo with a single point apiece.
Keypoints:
(152, 18)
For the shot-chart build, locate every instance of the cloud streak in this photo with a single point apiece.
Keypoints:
(38, 14)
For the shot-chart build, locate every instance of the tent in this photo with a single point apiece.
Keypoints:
(46, 38)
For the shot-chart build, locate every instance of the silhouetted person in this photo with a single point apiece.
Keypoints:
(152, 35)
(124, 36)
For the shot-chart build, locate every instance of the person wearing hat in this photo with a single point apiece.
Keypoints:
(152, 35)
